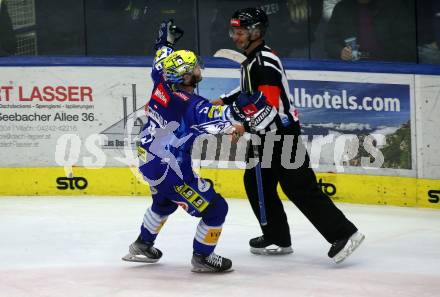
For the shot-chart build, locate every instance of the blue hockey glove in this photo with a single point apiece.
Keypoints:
(249, 104)
(236, 113)
(169, 34)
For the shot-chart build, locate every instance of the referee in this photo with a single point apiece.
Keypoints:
(266, 75)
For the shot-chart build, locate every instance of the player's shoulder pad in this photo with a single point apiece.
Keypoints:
(161, 94)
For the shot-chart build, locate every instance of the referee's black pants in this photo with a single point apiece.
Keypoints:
(300, 186)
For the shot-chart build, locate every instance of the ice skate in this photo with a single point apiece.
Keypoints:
(140, 251)
(211, 263)
(343, 248)
(260, 246)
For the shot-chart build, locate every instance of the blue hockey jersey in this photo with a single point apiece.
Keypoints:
(174, 119)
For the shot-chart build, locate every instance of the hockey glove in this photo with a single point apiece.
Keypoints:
(248, 104)
(169, 34)
(252, 109)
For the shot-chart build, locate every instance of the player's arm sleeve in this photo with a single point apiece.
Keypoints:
(157, 68)
(210, 119)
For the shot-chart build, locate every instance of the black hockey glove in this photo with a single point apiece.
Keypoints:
(169, 34)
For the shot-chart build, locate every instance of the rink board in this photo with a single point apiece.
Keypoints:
(351, 188)
(87, 113)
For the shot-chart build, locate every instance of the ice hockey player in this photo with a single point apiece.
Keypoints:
(176, 116)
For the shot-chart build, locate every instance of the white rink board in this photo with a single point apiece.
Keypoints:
(33, 143)
(428, 125)
(335, 104)
(66, 100)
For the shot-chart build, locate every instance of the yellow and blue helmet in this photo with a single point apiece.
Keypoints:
(177, 64)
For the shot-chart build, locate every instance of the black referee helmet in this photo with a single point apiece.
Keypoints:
(250, 18)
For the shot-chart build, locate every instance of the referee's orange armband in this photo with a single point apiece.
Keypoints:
(272, 94)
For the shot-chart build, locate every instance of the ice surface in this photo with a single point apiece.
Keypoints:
(72, 246)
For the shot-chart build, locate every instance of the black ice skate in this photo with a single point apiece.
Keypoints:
(343, 248)
(260, 246)
(141, 251)
(211, 263)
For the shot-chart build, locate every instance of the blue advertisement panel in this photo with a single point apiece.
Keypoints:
(362, 109)
(372, 117)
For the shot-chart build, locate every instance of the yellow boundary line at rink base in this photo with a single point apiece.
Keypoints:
(352, 188)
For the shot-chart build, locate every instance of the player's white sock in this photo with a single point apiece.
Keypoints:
(153, 222)
(207, 235)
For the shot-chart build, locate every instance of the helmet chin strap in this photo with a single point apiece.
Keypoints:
(249, 44)
(250, 41)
